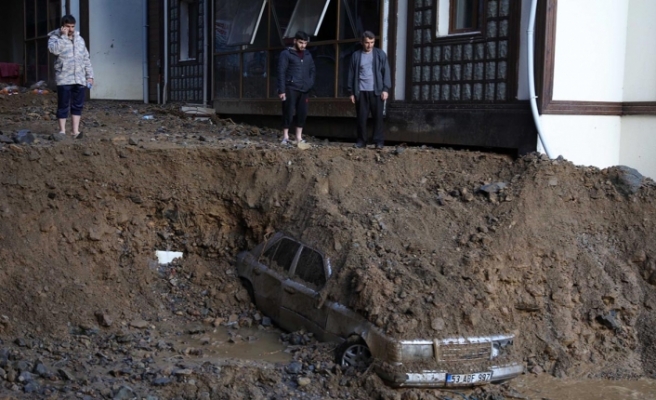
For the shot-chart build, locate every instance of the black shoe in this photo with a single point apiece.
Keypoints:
(359, 145)
(379, 147)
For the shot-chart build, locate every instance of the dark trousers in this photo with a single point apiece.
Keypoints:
(365, 103)
(70, 97)
(296, 102)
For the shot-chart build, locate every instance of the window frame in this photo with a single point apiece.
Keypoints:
(188, 30)
(234, 27)
(294, 26)
(446, 16)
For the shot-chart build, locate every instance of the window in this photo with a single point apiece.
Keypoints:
(41, 17)
(458, 17)
(281, 255)
(307, 17)
(310, 268)
(463, 16)
(188, 30)
(246, 22)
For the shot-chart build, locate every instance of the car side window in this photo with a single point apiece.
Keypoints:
(310, 268)
(281, 254)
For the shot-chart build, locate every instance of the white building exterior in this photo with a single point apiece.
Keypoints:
(605, 52)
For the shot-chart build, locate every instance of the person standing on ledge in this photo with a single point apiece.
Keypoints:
(73, 72)
(368, 83)
(296, 73)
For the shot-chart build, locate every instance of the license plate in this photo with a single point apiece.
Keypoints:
(464, 379)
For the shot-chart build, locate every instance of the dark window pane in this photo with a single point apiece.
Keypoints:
(30, 61)
(54, 18)
(41, 18)
(30, 19)
(346, 50)
(285, 254)
(226, 10)
(464, 15)
(328, 28)
(274, 56)
(255, 74)
(281, 12)
(310, 268)
(324, 60)
(260, 41)
(245, 22)
(359, 16)
(307, 17)
(42, 59)
(227, 76)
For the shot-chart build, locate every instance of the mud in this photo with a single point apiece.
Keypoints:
(425, 242)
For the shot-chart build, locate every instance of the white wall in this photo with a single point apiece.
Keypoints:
(116, 41)
(590, 49)
(584, 140)
(640, 66)
(638, 143)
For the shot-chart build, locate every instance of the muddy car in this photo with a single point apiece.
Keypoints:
(284, 278)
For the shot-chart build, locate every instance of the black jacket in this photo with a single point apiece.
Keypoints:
(295, 73)
(381, 70)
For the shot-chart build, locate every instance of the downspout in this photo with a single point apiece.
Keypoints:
(206, 50)
(531, 76)
(166, 51)
(145, 51)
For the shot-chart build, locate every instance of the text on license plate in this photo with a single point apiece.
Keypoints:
(469, 378)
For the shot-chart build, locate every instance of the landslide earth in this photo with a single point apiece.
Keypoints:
(424, 243)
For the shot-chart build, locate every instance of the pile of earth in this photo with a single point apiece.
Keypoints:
(425, 243)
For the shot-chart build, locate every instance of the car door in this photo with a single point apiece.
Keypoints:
(269, 273)
(300, 294)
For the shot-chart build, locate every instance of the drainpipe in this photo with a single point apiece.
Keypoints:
(531, 76)
(206, 50)
(166, 51)
(145, 51)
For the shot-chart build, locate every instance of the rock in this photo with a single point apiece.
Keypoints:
(103, 319)
(609, 321)
(266, 321)
(31, 387)
(438, 324)
(5, 139)
(41, 370)
(3, 374)
(492, 187)
(139, 324)
(537, 370)
(24, 136)
(294, 367)
(161, 381)
(626, 179)
(124, 393)
(25, 377)
(303, 381)
(133, 141)
(65, 374)
(183, 371)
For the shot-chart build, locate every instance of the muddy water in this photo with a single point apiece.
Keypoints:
(547, 387)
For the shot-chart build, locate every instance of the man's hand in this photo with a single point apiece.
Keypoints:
(353, 99)
(282, 96)
(64, 31)
(384, 96)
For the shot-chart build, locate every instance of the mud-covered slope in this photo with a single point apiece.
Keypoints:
(561, 255)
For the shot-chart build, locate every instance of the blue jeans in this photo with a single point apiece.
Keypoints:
(70, 96)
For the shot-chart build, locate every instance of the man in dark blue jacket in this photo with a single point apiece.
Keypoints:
(369, 82)
(296, 74)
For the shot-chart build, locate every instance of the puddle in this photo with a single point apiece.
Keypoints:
(547, 387)
(221, 343)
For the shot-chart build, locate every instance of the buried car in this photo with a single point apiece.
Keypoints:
(284, 278)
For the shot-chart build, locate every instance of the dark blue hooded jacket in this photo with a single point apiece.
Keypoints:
(295, 73)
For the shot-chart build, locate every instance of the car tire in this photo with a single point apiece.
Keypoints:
(249, 289)
(354, 353)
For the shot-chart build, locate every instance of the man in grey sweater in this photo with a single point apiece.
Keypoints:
(369, 81)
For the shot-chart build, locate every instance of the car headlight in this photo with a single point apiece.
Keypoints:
(500, 347)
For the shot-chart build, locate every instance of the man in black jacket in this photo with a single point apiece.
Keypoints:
(369, 81)
(296, 74)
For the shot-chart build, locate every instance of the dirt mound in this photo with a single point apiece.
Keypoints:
(424, 242)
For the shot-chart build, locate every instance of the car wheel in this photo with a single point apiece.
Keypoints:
(249, 289)
(354, 353)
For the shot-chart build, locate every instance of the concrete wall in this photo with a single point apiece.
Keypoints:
(116, 48)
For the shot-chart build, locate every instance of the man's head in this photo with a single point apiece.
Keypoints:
(68, 22)
(301, 40)
(368, 41)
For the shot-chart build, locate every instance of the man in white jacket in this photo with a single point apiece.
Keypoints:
(73, 72)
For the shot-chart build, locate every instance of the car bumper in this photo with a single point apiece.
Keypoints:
(439, 378)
